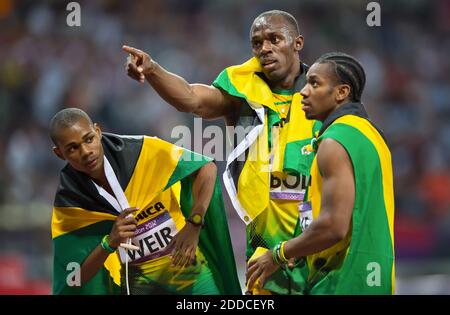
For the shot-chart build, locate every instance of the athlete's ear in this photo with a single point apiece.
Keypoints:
(98, 130)
(343, 91)
(58, 153)
(298, 43)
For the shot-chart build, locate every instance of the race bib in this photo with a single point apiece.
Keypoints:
(152, 238)
(305, 214)
(290, 188)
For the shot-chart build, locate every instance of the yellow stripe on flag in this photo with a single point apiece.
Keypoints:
(69, 219)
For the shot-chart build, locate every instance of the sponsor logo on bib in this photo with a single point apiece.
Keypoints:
(291, 188)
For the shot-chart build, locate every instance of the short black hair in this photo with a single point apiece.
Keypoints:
(348, 70)
(64, 119)
(289, 18)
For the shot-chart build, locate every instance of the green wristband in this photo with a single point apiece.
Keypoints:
(275, 255)
(105, 244)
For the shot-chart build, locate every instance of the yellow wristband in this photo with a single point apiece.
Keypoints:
(283, 258)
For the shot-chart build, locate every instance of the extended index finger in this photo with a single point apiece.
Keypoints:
(131, 50)
(128, 211)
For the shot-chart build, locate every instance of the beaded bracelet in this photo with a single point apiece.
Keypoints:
(105, 244)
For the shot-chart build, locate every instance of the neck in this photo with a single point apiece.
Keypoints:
(335, 108)
(288, 81)
(100, 178)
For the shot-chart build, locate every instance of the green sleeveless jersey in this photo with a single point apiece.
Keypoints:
(362, 263)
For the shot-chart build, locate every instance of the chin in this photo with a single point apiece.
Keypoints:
(310, 116)
(92, 172)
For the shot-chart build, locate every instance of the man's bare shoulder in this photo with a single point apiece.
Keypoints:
(331, 156)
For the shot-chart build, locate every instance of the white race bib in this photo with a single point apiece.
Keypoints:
(152, 238)
(290, 188)
(305, 214)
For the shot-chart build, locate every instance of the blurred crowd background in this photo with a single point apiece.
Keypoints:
(45, 65)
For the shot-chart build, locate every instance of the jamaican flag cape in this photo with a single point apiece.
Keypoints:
(362, 263)
(266, 174)
(145, 167)
(248, 165)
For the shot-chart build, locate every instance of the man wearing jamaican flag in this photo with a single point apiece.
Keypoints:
(350, 243)
(177, 222)
(265, 175)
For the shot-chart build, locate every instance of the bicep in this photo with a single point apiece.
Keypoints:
(338, 184)
(213, 103)
(209, 170)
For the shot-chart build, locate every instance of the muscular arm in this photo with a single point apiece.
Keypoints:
(338, 197)
(203, 100)
(203, 187)
(333, 222)
(186, 241)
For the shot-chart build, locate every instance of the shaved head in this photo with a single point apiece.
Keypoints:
(64, 119)
(291, 22)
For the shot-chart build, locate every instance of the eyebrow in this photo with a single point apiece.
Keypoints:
(255, 37)
(277, 32)
(84, 137)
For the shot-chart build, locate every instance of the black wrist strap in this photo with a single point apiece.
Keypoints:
(193, 223)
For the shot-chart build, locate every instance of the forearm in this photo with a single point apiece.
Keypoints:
(93, 263)
(338, 198)
(203, 100)
(203, 188)
(318, 236)
(173, 89)
(186, 241)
